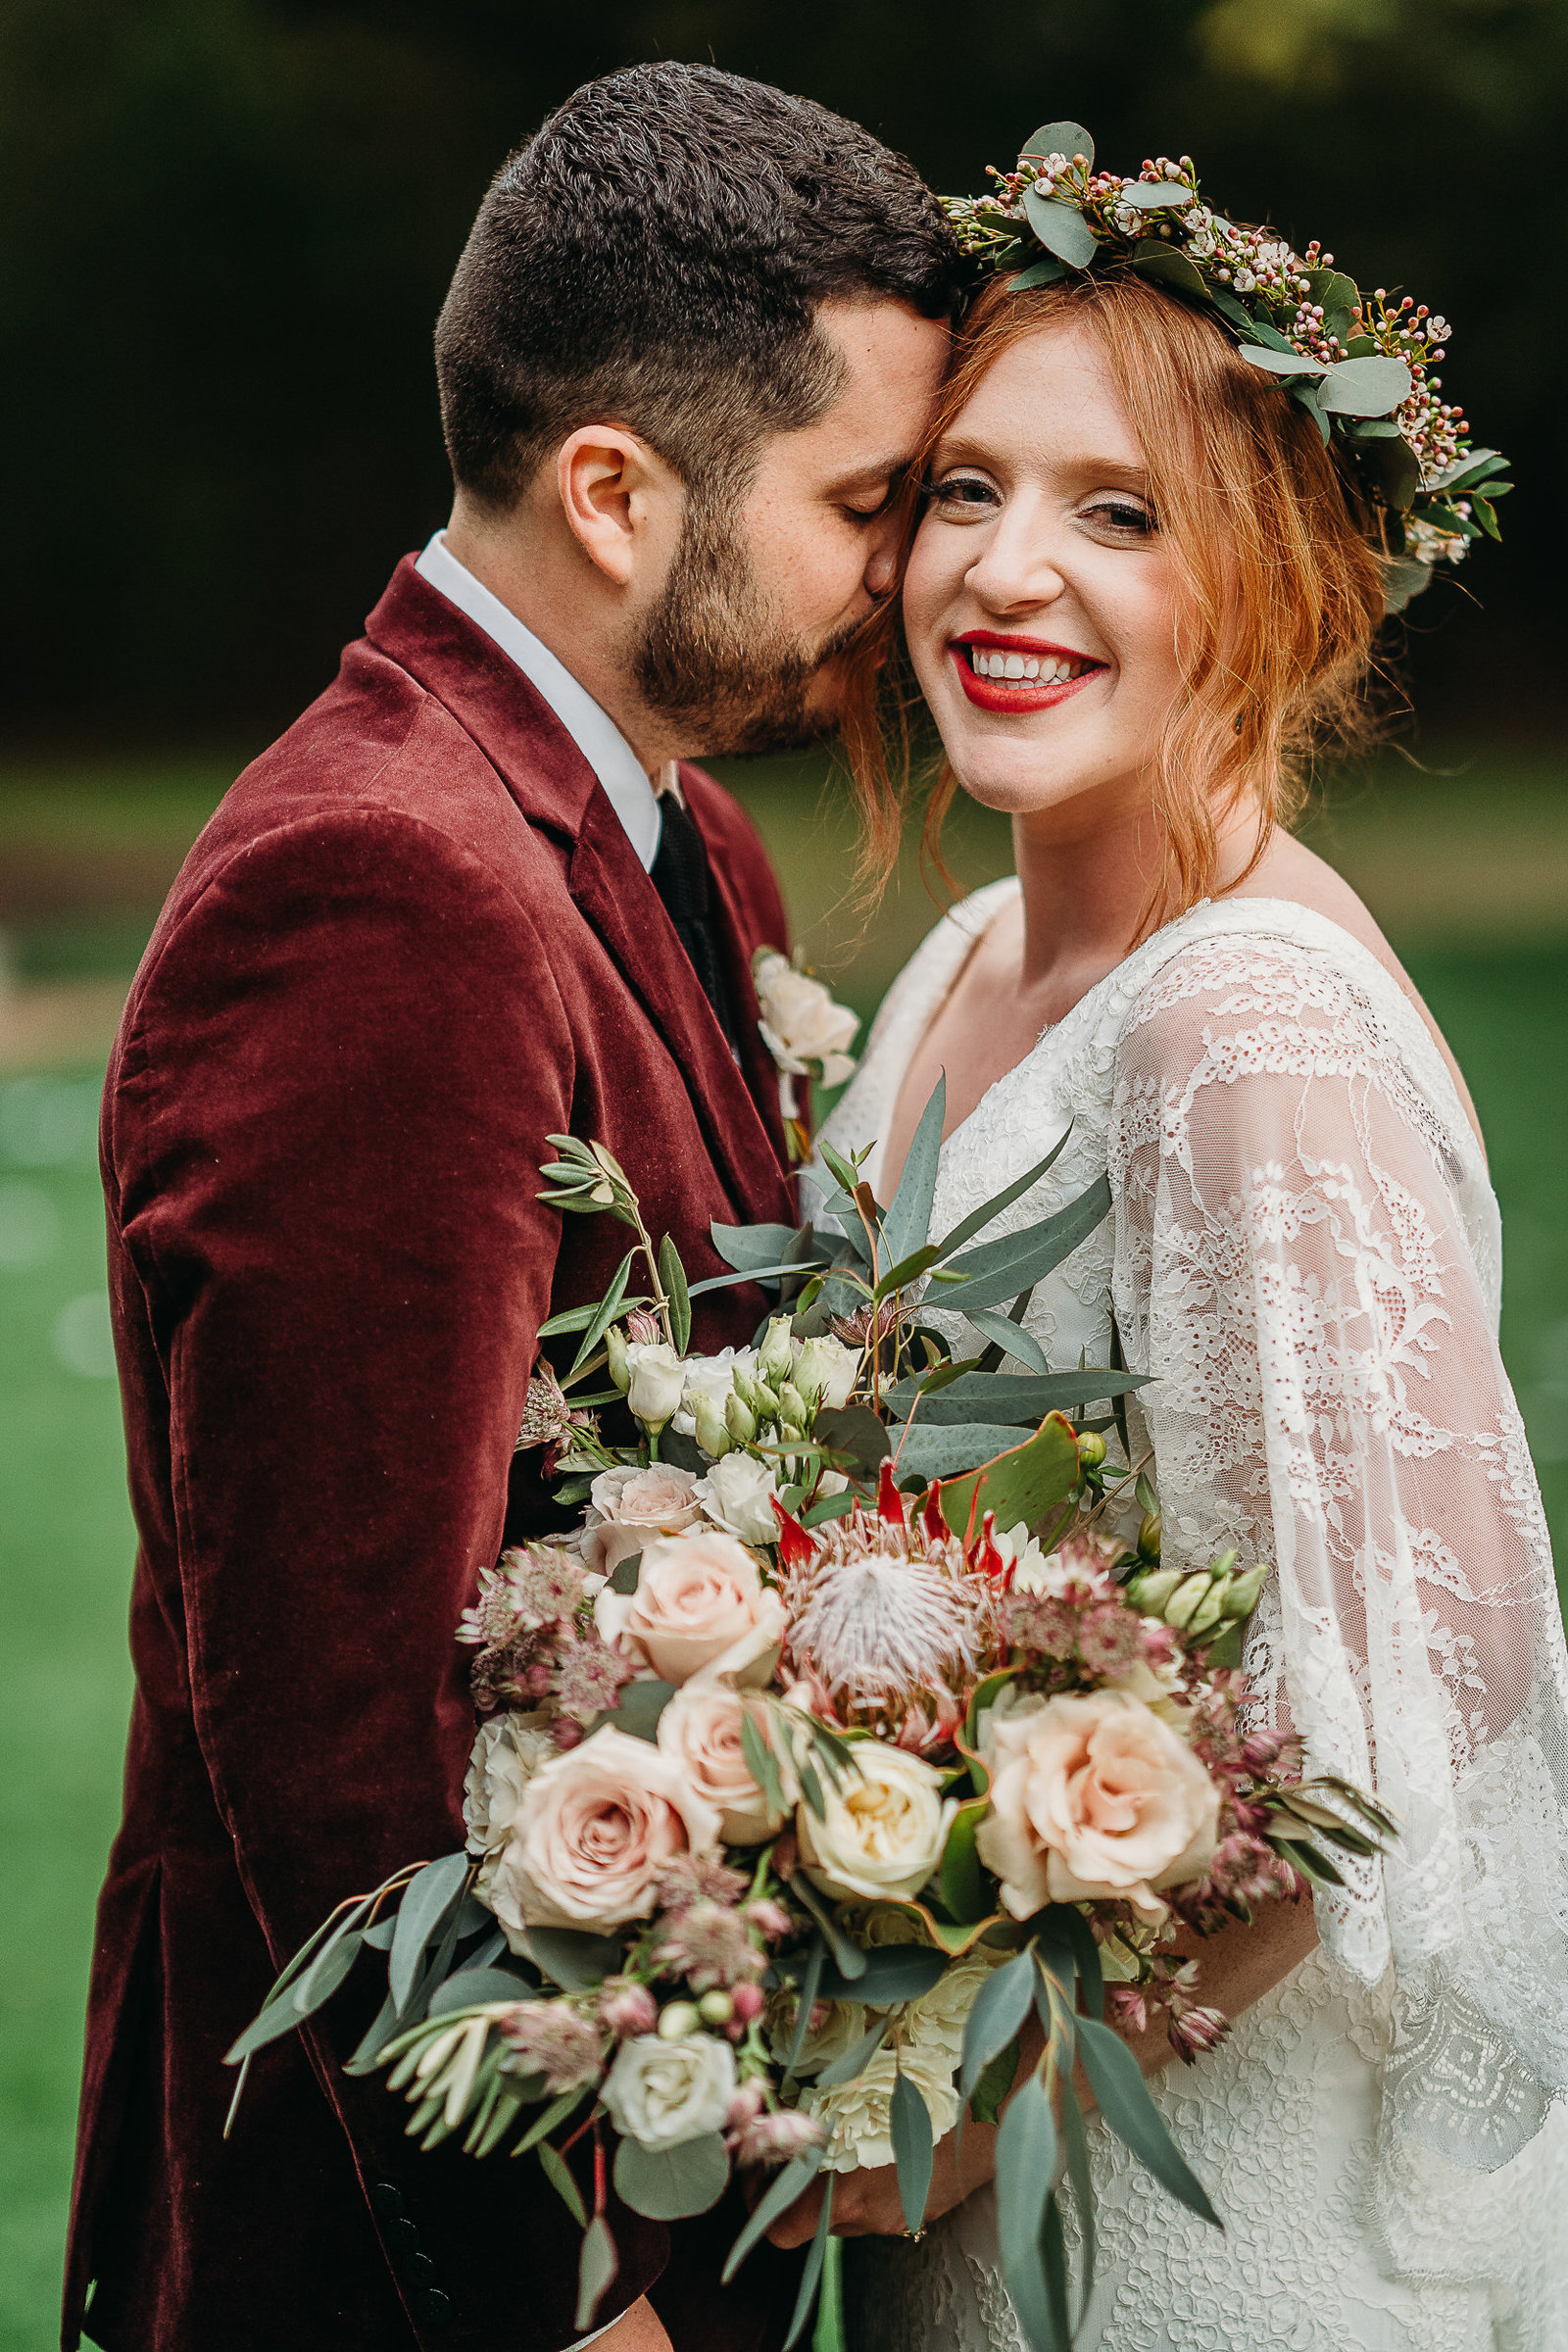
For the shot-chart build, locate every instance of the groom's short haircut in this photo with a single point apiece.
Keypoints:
(654, 255)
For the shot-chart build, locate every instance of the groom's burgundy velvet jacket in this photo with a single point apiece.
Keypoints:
(413, 942)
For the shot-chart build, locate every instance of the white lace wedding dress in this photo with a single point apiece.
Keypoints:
(1305, 1252)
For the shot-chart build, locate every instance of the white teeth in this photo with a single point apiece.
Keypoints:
(1031, 667)
(1012, 668)
(1046, 669)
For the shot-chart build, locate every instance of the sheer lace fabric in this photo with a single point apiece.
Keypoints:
(1304, 1250)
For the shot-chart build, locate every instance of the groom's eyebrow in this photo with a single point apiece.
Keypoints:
(873, 476)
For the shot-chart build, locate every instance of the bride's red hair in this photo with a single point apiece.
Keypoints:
(1280, 559)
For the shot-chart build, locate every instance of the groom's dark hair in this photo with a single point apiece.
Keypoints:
(654, 257)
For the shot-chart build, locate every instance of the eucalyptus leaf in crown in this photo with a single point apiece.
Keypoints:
(1359, 363)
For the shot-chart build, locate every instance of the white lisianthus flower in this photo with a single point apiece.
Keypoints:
(665, 2092)
(881, 1832)
(656, 1381)
(737, 1496)
(804, 1031)
(827, 1369)
(1028, 1562)
(506, 1753)
(712, 1377)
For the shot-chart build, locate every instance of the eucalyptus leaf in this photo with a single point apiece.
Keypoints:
(745, 1247)
(426, 1902)
(1045, 273)
(907, 1225)
(999, 2008)
(848, 1958)
(844, 2069)
(1075, 2141)
(669, 2184)
(786, 2190)
(566, 2187)
(1116, 2080)
(985, 2106)
(893, 1973)
(672, 1274)
(1156, 195)
(380, 1937)
(948, 1450)
(913, 2152)
(1000, 1269)
(326, 1973)
(623, 1576)
(385, 2025)
(1170, 267)
(1060, 227)
(1021, 1484)
(728, 1282)
(1010, 1398)
(1006, 1332)
(805, 2001)
(1365, 387)
(855, 1432)
(978, 1219)
(1288, 362)
(574, 1961)
(605, 1313)
(813, 2271)
(1057, 138)
(1026, 2166)
(1403, 580)
(959, 1873)
(597, 2266)
(472, 1986)
(640, 1705)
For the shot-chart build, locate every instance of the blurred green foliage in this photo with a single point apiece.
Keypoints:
(229, 225)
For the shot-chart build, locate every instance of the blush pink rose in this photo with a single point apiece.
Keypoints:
(592, 1834)
(700, 1602)
(631, 1508)
(1093, 1795)
(700, 1730)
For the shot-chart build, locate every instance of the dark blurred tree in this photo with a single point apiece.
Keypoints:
(229, 224)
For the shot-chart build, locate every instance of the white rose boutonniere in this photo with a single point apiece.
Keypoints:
(665, 2092)
(807, 1035)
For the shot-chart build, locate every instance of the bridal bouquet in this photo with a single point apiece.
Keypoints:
(843, 1737)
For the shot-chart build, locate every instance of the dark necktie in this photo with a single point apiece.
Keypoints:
(680, 875)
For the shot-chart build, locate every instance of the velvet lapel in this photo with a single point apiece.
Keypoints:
(553, 785)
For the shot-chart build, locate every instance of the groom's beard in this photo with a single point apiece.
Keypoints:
(715, 663)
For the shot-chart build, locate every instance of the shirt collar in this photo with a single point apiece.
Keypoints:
(595, 733)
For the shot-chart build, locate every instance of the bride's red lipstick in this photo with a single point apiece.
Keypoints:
(1018, 694)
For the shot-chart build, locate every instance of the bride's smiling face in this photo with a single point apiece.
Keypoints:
(1039, 555)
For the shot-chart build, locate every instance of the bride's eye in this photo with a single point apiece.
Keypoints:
(962, 496)
(1123, 519)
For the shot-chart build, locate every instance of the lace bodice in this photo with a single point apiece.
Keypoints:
(1305, 1252)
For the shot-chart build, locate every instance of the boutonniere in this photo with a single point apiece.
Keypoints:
(804, 1031)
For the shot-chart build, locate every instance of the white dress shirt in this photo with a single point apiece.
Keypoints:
(601, 742)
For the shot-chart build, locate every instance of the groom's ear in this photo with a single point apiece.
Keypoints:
(622, 502)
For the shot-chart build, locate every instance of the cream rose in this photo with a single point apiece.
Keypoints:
(506, 1753)
(629, 1510)
(655, 1382)
(662, 2093)
(802, 1026)
(700, 1730)
(712, 1377)
(1092, 1796)
(700, 1602)
(591, 1835)
(882, 1832)
(737, 1496)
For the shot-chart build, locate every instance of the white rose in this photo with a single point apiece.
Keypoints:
(656, 1378)
(882, 1832)
(840, 2027)
(712, 1377)
(827, 1369)
(507, 1751)
(631, 1508)
(858, 2114)
(803, 1028)
(737, 1496)
(664, 2092)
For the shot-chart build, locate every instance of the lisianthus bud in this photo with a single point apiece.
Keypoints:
(1148, 1535)
(758, 1399)
(1150, 1590)
(1211, 1607)
(1245, 1590)
(792, 1405)
(826, 1370)
(739, 1421)
(712, 1429)
(775, 1358)
(1183, 1603)
(615, 1348)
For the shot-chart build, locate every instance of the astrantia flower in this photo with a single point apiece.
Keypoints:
(553, 2039)
(589, 1676)
(890, 1624)
(776, 2138)
(698, 1878)
(708, 1945)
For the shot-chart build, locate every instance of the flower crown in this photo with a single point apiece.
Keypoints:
(1358, 364)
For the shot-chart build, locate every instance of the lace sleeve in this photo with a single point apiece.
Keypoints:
(1293, 1265)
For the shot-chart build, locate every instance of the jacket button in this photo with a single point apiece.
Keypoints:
(403, 2236)
(420, 2270)
(432, 2307)
(386, 2199)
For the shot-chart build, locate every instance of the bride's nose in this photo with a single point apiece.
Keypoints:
(1016, 566)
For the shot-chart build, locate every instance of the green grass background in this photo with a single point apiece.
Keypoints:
(1467, 869)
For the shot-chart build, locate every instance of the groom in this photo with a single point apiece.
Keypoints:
(469, 897)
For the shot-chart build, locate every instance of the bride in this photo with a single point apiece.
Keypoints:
(1141, 587)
